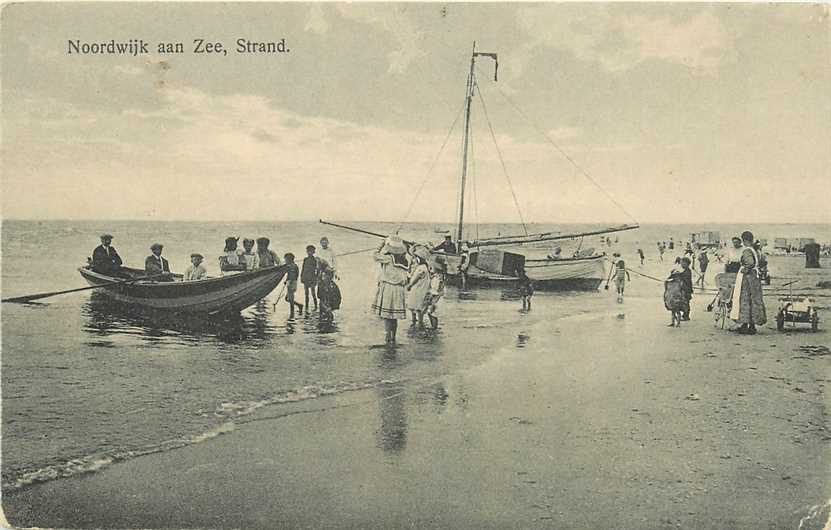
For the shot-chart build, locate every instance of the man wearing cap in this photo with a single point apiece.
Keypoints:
(105, 259)
(195, 271)
(156, 265)
(446, 246)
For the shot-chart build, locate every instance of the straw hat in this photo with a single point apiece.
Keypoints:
(421, 252)
(394, 245)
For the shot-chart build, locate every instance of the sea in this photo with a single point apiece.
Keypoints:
(86, 384)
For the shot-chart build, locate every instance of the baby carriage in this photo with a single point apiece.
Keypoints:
(722, 301)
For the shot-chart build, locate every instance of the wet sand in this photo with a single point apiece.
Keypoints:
(608, 420)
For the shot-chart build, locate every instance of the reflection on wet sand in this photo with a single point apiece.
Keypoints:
(105, 317)
(392, 404)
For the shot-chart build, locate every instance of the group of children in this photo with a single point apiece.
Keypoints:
(411, 279)
(318, 278)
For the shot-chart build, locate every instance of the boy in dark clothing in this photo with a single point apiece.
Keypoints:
(328, 293)
(309, 274)
(703, 263)
(292, 272)
(526, 289)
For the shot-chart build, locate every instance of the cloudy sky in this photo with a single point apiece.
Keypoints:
(681, 112)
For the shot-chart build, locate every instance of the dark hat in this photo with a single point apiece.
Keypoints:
(231, 238)
(263, 241)
(448, 236)
(197, 255)
(106, 236)
(155, 246)
(246, 242)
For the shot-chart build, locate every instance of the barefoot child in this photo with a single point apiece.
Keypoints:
(526, 288)
(620, 275)
(437, 280)
(292, 272)
(308, 276)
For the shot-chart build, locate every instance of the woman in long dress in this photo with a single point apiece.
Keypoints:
(418, 286)
(390, 303)
(748, 308)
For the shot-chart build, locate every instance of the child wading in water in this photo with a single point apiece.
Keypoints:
(308, 276)
(292, 273)
(620, 274)
(526, 288)
(437, 279)
(418, 287)
(328, 292)
(389, 301)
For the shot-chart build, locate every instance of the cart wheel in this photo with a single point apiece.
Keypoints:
(723, 315)
(780, 320)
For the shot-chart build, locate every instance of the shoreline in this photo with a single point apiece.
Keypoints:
(600, 426)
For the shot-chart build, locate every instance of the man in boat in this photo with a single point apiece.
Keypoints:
(446, 246)
(230, 260)
(105, 259)
(195, 271)
(156, 265)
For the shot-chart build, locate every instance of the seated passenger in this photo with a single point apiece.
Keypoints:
(556, 253)
(230, 260)
(196, 271)
(267, 257)
(446, 246)
(248, 257)
(155, 265)
(105, 259)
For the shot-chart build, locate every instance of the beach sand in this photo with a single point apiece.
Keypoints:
(604, 420)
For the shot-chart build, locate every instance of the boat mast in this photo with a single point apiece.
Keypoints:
(469, 98)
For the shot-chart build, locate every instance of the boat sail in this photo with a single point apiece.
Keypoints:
(583, 271)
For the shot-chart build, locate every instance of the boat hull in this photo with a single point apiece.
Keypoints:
(575, 274)
(227, 294)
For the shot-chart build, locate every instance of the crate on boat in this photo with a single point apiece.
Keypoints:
(497, 261)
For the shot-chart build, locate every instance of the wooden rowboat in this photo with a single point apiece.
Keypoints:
(227, 294)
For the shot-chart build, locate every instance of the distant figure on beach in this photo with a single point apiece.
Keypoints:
(437, 281)
(292, 273)
(308, 276)
(105, 259)
(328, 292)
(464, 264)
(156, 265)
(327, 254)
(671, 244)
(748, 307)
(446, 246)
(418, 285)
(265, 256)
(687, 283)
(229, 261)
(248, 257)
(703, 263)
(620, 274)
(526, 288)
(195, 270)
(734, 255)
(390, 303)
(640, 253)
(661, 251)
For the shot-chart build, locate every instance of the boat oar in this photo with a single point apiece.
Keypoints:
(38, 296)
(362, 231)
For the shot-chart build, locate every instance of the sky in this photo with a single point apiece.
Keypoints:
(678, 113)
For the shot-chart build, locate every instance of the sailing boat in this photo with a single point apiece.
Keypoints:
(487, 262)
(496, 261)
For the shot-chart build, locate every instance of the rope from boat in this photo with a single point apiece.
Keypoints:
(429, 171)
(563, 153)
(701, 289)
(502, 161)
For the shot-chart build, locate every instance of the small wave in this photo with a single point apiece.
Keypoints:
(228, 411)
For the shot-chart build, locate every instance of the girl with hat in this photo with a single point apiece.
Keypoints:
(390, 303)
(418, 286)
